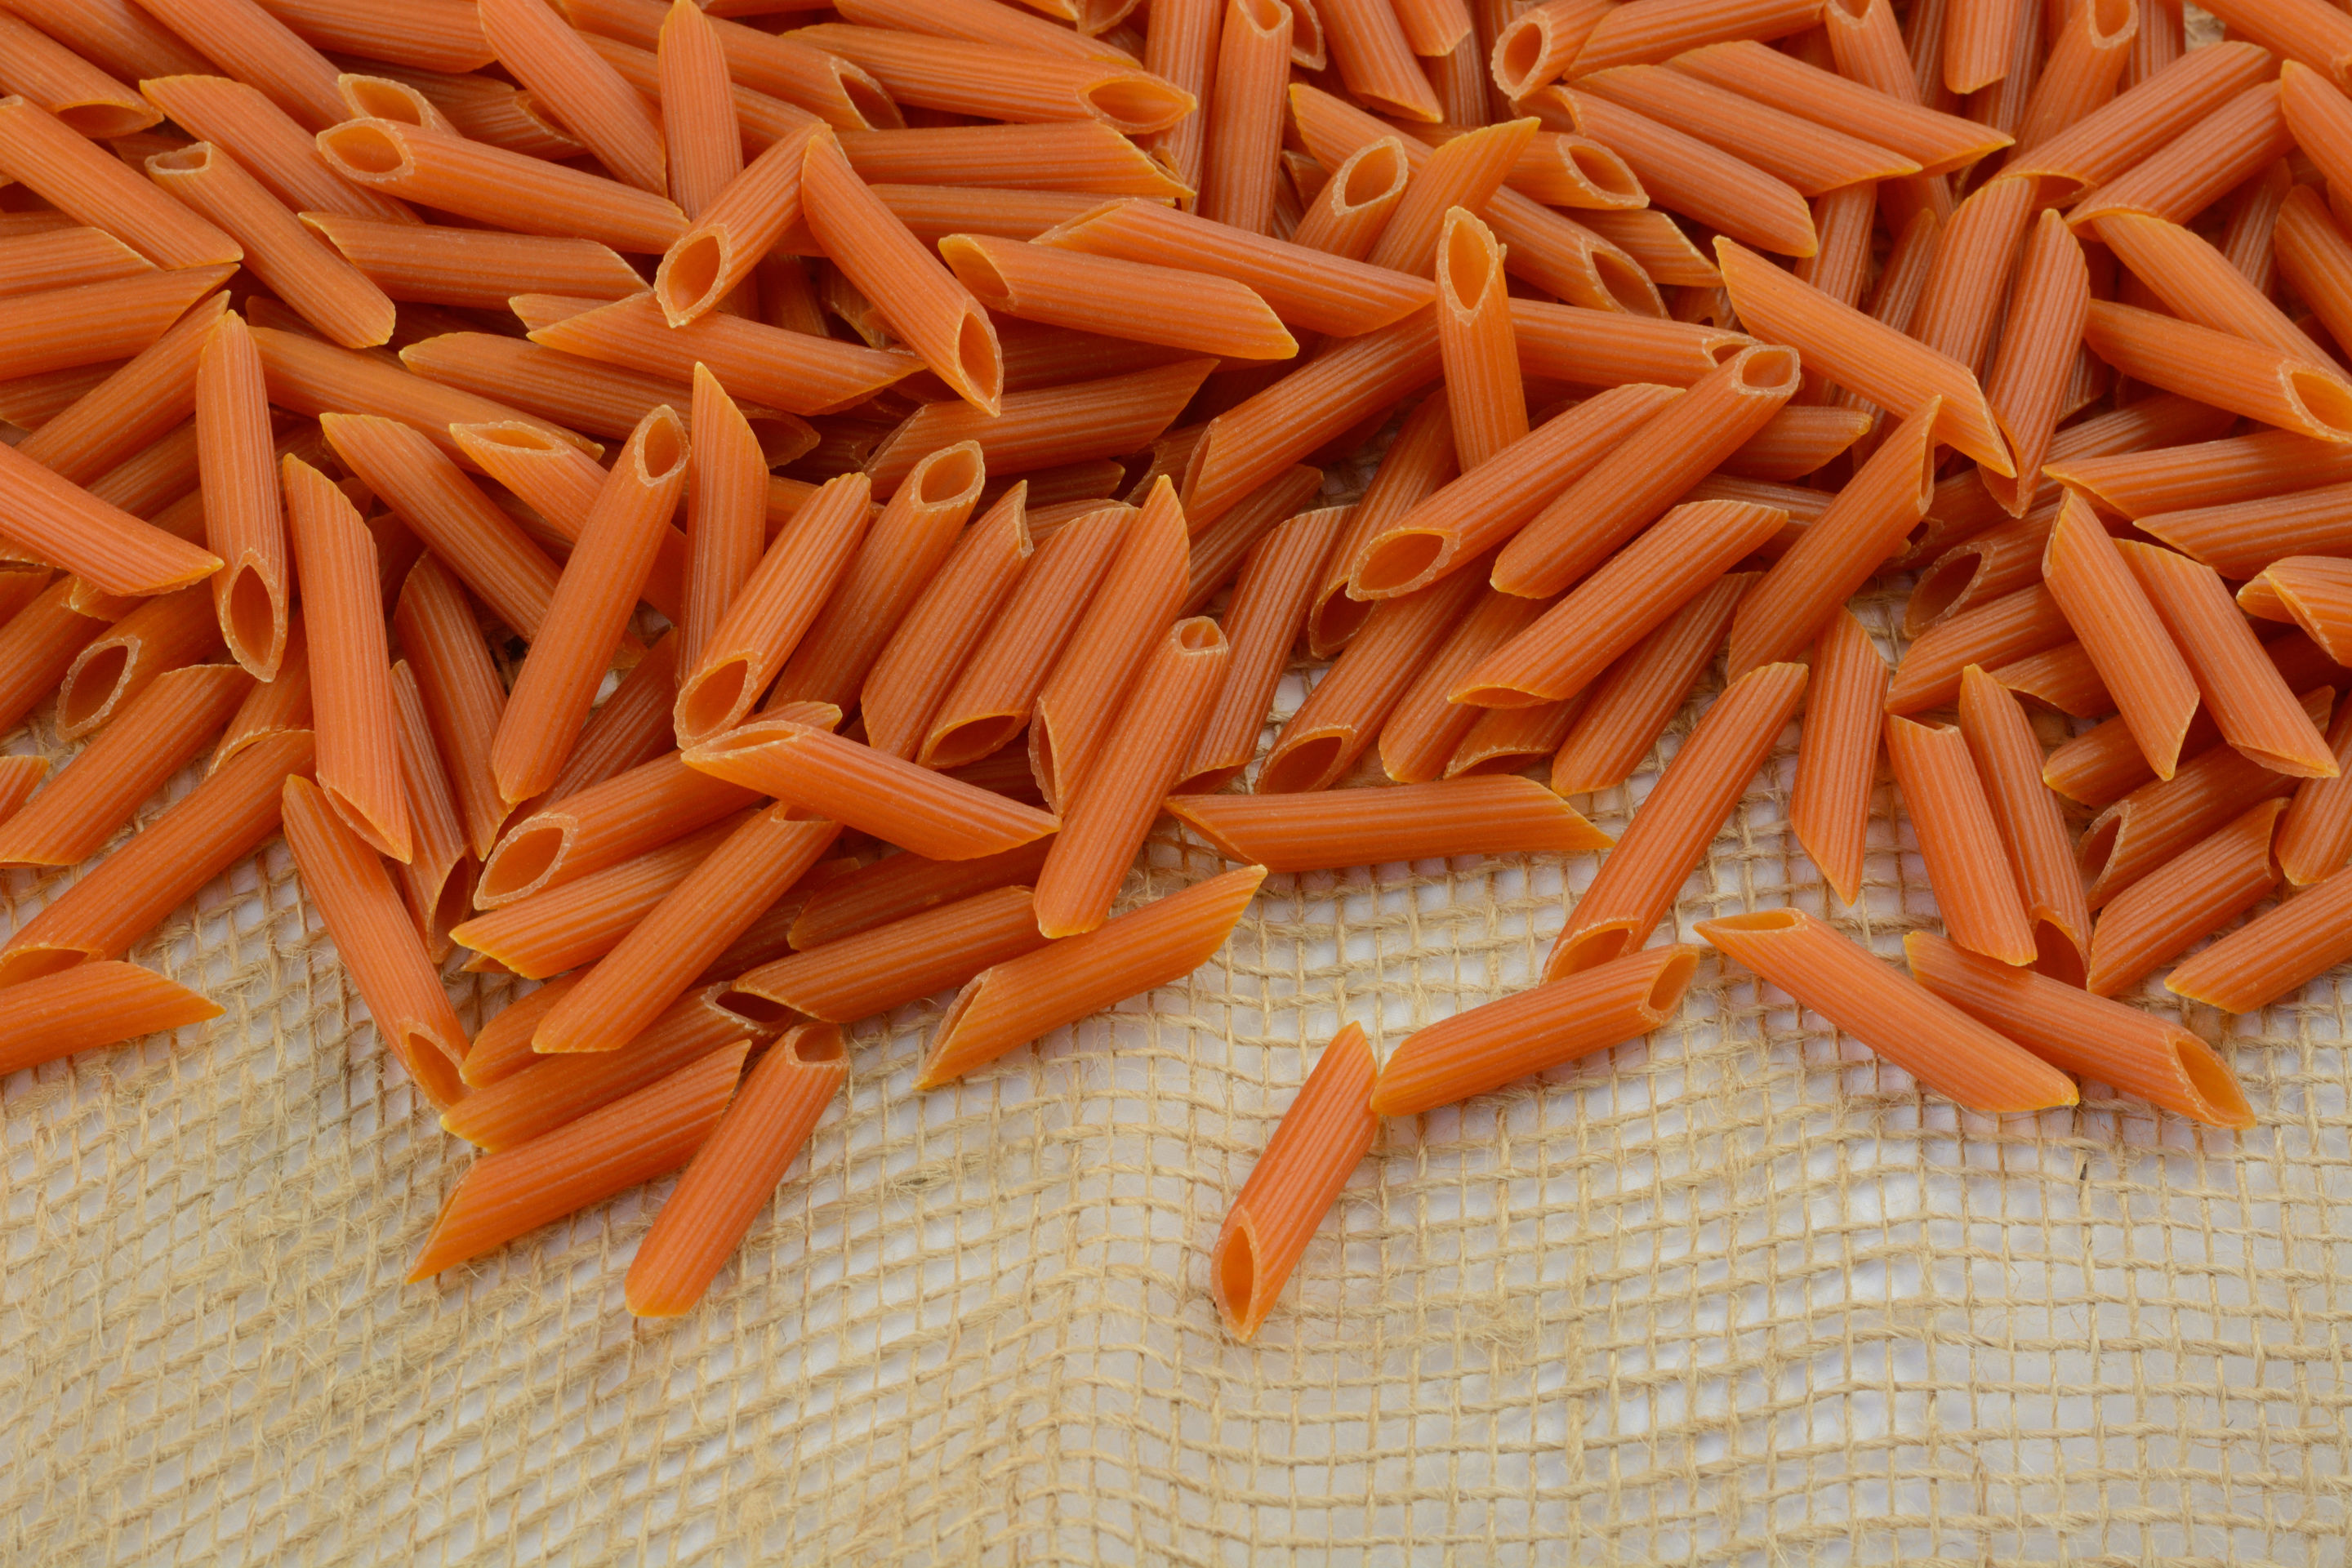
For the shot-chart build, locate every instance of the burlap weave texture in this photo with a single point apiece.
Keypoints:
(1735, 1295)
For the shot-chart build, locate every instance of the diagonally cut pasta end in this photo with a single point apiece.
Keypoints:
(687, 283)
(1590, 948)
(23, 963)
(2322, 398)
(948, 1059)
(1233, 1277)
(253, 618)
(2208, 1085)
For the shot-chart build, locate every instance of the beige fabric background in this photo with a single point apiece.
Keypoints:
(1735, 1295)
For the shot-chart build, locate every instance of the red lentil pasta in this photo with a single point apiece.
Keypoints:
(1014, 442)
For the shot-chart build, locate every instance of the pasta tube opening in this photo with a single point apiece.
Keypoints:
(364, 147)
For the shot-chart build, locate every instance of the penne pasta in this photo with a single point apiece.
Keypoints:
(2315, 259)
(1409, 822)
(2314, 591)
(1632, 703)
(52, 161)
(1837, 754)
(585, 93)
(153, 735)
(114, 34)
(243, 525)
(2199, 891)
(2031, 367)
(902, 886)
(1475, 341)
(19, 777)
(1639, 878)
(460, 693)
(272, 706)
(1217, 553)
(961, 77)
(871, 971)
(1973, 877)
(1602, 348)
(473, 268)
(1421, 731)
(1995, 634)
(2273, 953)
(2154, 111)
(1190, 310)
(2063, 677)
(2085, 66)
(93, 1006)
(2198, 284)
(2084, 1034)
(255, 47)
(562, 928)
(2214, 153)
(60, 329)
(616, 819)
(1970, 276)
(1484, 1047)
(1685, 173)
(1071, 156)
(731, 1177)
(61, 258)
(316, 379)
(603, 399)
(635, 1138)
(265, 141)
(1370, 52)
(1346, 218)
(1910, 1025)
(1013, 1003)
(726, 513)
(436, 880)
(1077, 423)
(1268, 611)
(2244, 691)
(1938, 143)
(1244, 115)
(2009, 762)
(2121, 632)
(1809, 157)
(930, 648)
(493, 185)
(2316, 835)
(164, 633)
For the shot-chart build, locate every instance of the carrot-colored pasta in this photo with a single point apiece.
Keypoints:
(2063, 677)
(1845, 221)
(1874, 360)
(1806, 156)
(152, 736)
(1636, 481)
(581, 394)
(275, 706)
(982, 22)
(1797, 440)
(1559, 169)
(475, 268)
(1547, 1025)
(1350, 706)
(1631, 703)
(2314, 591)
(905, 885)
(242, 520)
(2008, 761)
(1217, 553)
(635, 1138)
(803, 570)
(2197, 283)
(932, 212)
(1853, 537)
(1054, 426)
(2197, 891)
(2222, 150)
(1245, 115)
(115, 34)
(630, 814)
(1979, 43)
(2121, 632)
(726, 509)
(1306, 288)
(123, 897)
(821, 83)
(265, 141)
(1192, 311)
(1970, 276)
(2311, 251)
(1286, 832)
(1639, 878)
(1074, 155)
(1533, 48)
(1140, 756)
(34, 402)
(1421, 731)
(2275, 953)
(62, 257)
(1667, 30)
(1321, 1139)
(1679, 171)
(631, 728)
(165, 632)
(1268, 611)
(1974, 880)
(2153, 113)
(460, 692)
(735, 1172)
(701, 139)
(2316, 834)
(563, 927)
(1994, 634)
(256, 46)
(589, 609)
(92, 1006)
(1465, 171)
(359, 755)
(490, 184)
(1013, 1003)
(437, 879)
(579, 89)
(1629, 596)
(2195, 491)
(149, 482)
(523, 1095)
(2244, 691)
(965, 77)
(1944, 1047)
(1507, 740)
(1475, 341)
(931, 647)
(1460, 521)
(886, 966)
(1369, 51)
(2103, 765)
(317, 379)
(2085, 66)
(431, 34)
(1868, 111)
(19, 777)
(1347, 216)
(79, 177)
(1837, 752)
(2027, 382)
(737, 227)
(1180, 47)
(2160, 819)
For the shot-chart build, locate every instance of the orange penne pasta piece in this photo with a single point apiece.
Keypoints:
(1263, 621)
(699, 919)
(162, 634)
(1900, 1019)
(2008, 764)
(259, 49)
(1322, 1138)
(1974, 881)
(1366, 828)
(1632, 704)
(632, 727)
(490, 184)
(1808, 156)
(1462, 521)
(2244, 538)
(265, 141)
(1420, 732)
(1603, 348)
(1669, 29)
(1797, 441)
(732, 231)
(50, 159)
(586, 94)
(1475, 341)
(92, 1006)
(1419, 461)
(460, 692)
(2122, 634)
(34, 402)
(432, 35)
(1139, 757)
(2275, 953)
(1980, 40)
(1182, 310)
(932, 645)
(1347, 216)
(982, 22)
(2197, 891)
(768, 619)
(2063, 677)
(2316, 834)
(1629, 597)
(928, 812)
(153, 735)
(1995, 634)
(1969, 278)
(901, 886)
(1370, 52)
(79, 94)
(560, 927)
(2038, 346)
(275, 706)
(871, 971)
(523, 1095)
(1869, 112)
(966, 78)
(1506, 740)
(2160, 819)
(2153, 113)
(933, 212)
(436, 878)
(1464, 171)
(128, 892)
(1837, 752)
(2228, 146)
(1531, 48)
(477, 267)
(630, 814)
(19, 776)
(1244, 114)
(1544, 1027)
(1853, 537)
(1641, 877)
(1685, 173)
(2244, 691)
(2197, 283)
(1180, 47)
(241, 508)
(725, 514)
(604, 399)
(735, 1172)
(635, 1138)
(2084, 1034)
(1052, 426)
(376, 943)
(1874, 360)
(1013, 1003)
(359, 754)
(818, 82)
(61, 258)
(2311, 251)
(589, 609)
(115, 34)
(1078, 155)
(60, 328)
(2314, 591)
(991, 699)
(318, 379)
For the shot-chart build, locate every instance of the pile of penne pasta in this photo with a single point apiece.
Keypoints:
(748, 515)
